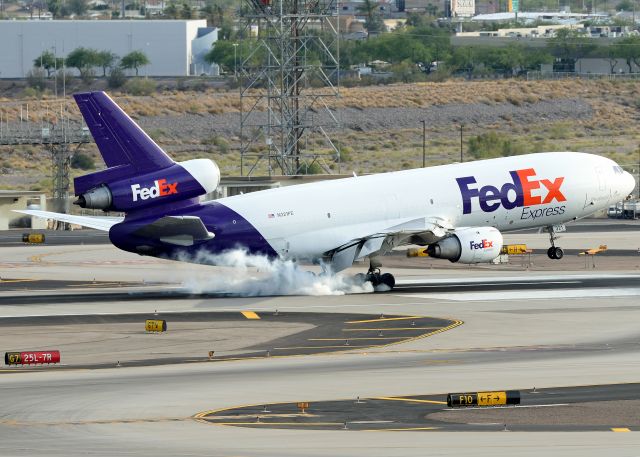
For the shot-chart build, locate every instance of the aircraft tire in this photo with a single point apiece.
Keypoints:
(551, 253)
(558, 253)
(388, 280)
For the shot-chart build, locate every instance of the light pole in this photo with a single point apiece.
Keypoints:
(461, 144)
(235, 61)
(424, 143)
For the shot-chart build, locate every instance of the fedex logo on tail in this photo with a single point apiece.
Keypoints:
(160, 188)
(525, 190)
(484, 244)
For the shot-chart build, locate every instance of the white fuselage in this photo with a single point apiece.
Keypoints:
(307, 220)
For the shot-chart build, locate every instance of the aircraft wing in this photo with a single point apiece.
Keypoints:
(103, 223)
(424, 230)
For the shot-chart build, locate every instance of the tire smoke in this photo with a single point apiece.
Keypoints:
(251, 275)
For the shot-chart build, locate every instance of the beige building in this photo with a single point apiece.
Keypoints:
(10, 200)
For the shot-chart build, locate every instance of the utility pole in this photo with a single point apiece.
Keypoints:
(424, 143)
(461, 143)
(235, 61)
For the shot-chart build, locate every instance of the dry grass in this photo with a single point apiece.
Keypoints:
(613, 130)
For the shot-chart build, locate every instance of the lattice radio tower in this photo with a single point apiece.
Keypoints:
(287, 78)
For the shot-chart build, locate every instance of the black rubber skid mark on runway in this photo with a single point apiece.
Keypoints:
(413, 413)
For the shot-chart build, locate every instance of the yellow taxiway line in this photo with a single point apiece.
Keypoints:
(411, 400)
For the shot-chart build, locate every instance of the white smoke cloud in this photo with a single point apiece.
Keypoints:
(251, 275)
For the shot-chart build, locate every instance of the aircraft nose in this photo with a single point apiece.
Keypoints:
(628, 183)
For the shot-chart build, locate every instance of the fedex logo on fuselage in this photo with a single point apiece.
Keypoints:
(160, 188)
(484, 244)
(525, 190)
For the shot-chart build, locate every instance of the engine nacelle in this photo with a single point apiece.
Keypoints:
(469, 245)
(180, 181)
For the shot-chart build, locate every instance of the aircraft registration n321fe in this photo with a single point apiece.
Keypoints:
(458, 211)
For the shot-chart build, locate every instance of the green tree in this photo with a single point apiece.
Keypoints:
(78, 7)
(416, 20)
(171, 10)
(84, 59)
(105, 59)
(628, 48)
(215, 13)
(571, 45)
(186, 12)
(48, 61)
(134, 60)
(223, 54)
(57, 8)
(463, 59)
(373, 22)
(625, 5)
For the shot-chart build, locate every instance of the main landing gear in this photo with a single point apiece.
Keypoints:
(554, 252)
(380, 281)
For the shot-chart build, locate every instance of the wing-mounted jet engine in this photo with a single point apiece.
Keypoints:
(468, 245)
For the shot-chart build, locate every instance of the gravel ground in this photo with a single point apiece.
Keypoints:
(609, 413)
(372, 119)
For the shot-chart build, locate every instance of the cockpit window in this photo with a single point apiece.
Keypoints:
(618, 170)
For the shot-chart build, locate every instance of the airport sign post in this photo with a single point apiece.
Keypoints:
(498, 398)
(155, 325)
(31, 357)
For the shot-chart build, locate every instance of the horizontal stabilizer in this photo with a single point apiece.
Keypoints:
(179, 230)
(103, 223)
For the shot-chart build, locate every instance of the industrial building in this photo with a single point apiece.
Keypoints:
(173, 47)
(11, 200)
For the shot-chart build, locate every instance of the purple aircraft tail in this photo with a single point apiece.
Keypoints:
(140, 175)
(120, 140)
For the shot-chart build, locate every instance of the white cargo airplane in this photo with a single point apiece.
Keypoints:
(458, 210)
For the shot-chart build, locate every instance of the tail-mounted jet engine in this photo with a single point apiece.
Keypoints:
(180, 181)
(468, 245)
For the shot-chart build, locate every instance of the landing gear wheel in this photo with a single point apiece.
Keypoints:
(554, 252)
(388, 280)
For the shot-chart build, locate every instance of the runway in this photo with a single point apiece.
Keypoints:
(548, 329)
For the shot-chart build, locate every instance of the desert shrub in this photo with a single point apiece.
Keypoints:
(312, 168)
(116, 78)
(492, 144)
(140, 86)
(82, 161)
(36, 79)
(346, 153)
